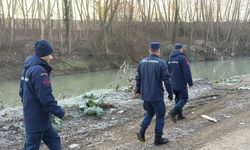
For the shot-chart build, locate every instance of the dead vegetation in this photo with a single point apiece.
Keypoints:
(117, 127)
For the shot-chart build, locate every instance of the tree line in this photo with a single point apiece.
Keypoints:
(108, 25)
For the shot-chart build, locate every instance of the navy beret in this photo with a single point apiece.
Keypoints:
(154, 45)
(178, 46)
(43, 48)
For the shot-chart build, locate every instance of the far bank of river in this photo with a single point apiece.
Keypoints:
(72, 85)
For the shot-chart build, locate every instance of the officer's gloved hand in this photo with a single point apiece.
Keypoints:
(137, 95)
(190, 85)
(170, 97)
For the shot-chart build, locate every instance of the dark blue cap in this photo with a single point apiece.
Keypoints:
(155, 45)
(178, 46)
(43, 48)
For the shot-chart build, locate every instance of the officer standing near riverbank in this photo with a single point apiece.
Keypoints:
(180, 72)
(150, 74)
(38, 101)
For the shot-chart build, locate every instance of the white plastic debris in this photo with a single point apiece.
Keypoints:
(112, 109)
(244, 88)
(209, 118)
(226, 116)
(74, 146)
(121, 111)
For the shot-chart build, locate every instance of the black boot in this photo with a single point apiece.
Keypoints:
(160, 141)
(141, 135)
(180, 116)
(172, 116)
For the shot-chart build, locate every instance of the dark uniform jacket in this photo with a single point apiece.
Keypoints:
(179, 70)
(36, 95)
(150, 74)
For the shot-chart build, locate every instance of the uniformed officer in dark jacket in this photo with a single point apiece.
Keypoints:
(179, 70)
(152, 72)
(37, 99)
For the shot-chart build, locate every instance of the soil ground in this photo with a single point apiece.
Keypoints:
(116, 130)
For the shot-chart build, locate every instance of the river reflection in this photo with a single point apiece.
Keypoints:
(219, 70)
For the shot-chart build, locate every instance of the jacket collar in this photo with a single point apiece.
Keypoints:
(154, 55)
(34, 60)
(176, 53)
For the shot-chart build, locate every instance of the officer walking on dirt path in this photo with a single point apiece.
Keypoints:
(151, 73)
(179, 69)
(38, 101)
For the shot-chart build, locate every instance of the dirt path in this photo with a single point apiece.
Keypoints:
(231, 131)
(117, 129)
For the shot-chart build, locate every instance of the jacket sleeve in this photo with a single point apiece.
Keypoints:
(43, 89)
(21, 86)
(187, 71)
(21, 90)
(138, 80)
(166, 78)
(170, 66)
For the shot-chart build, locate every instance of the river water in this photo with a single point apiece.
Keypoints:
(72, 85)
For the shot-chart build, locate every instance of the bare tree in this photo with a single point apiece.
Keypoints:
(12, 23)
(176, 13)
(102, 22)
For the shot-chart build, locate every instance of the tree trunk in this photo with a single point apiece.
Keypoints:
(175, 27)
(12, 23)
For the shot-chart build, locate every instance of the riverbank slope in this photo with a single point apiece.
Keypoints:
(88, 59)
(227, 102)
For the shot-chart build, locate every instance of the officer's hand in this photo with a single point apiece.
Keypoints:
(137, 95)
(61, 114)
(190, 85)
(170, 97)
